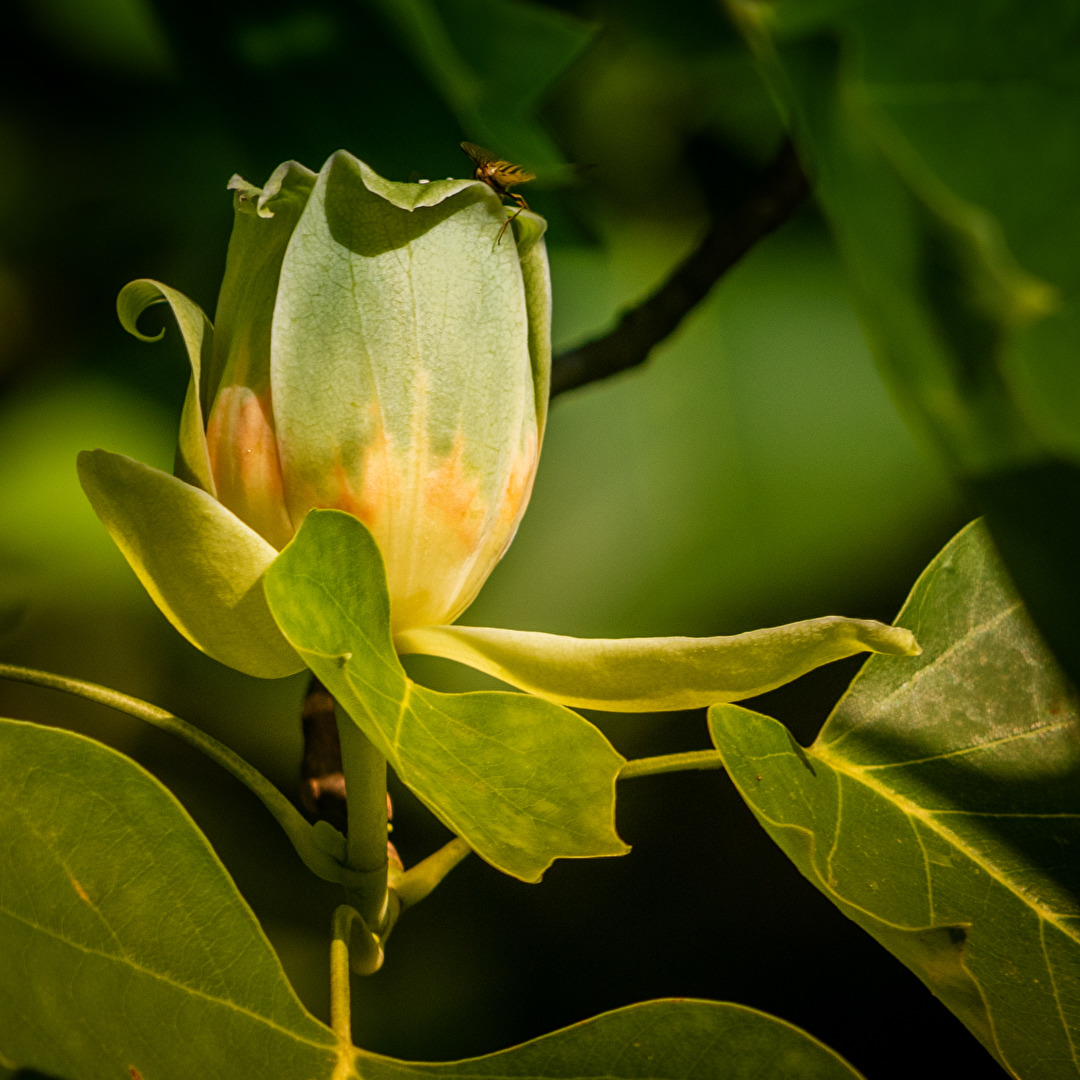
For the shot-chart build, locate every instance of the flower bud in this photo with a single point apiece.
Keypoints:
(391, 370)
(377, 349)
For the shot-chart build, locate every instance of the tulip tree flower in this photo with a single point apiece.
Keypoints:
(357, 447)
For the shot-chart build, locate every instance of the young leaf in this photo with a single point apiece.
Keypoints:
(940, 809)
(521, 780)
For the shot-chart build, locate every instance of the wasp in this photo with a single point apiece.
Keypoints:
(500, 176)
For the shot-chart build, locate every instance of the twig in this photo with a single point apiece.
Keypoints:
(779, 191)
(322, 782)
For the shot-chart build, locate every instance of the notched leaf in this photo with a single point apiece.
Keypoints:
(521, 780)
(943, 810)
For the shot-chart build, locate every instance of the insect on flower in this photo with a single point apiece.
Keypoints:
(500, 176)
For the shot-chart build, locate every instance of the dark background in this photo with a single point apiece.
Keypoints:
(754, 473)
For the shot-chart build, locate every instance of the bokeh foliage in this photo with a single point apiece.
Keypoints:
(945, 149)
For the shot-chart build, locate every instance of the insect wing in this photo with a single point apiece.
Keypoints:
(503, 173)
(479, 155)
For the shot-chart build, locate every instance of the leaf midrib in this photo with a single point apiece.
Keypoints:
(169, 981)
(912, 809)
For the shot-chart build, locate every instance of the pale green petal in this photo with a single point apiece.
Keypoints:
(201, 565)
(264, 219)
(402, 380)
(657, 674)
(529, 232)
(413, 196)
(192, 461)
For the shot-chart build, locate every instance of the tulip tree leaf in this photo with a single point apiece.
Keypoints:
(522, 780)
(124, 945)
(126, 950)
(657, 674)
(201, 564)
(942, 139)
(940, 809)
(657, 1040)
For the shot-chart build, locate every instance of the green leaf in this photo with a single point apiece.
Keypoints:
(201, 565)
(657, 1040)
(124, 943)
(945, 172)
(192, 459)
(492, 61)
(320, 846)
(940, 809)
(656, 674)
(126, 946)
(126, 949)
(523, 781)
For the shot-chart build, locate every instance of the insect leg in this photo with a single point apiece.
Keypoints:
(522, 205)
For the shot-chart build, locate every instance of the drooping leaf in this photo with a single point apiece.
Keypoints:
(942, 138)
(940, 809)
(522, 780)
(124, 944)
(656, 674)
(657, 1040)
(200, 563)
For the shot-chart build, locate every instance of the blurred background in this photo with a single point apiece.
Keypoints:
(754, 472)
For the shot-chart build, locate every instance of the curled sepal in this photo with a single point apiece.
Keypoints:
(192, 460)
(657, 674)
(522, 781)
(201, 565)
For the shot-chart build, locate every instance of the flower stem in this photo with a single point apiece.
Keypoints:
(283, 812)
(650, 766)
(365, 794)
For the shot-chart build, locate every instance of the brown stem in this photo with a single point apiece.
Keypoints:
(780, 190)
(322, 782)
